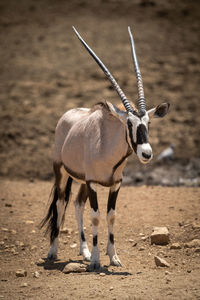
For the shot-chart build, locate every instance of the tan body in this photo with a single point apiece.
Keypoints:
(92, 144)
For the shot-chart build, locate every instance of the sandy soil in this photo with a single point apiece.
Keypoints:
(45, 71)
(139, 209)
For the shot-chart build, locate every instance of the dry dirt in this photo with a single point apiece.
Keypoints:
(44, 71)
(139, 209)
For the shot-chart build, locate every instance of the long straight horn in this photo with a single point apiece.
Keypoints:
(125, 101)
(141, 99)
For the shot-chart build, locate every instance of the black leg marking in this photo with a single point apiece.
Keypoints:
(112, 238)
(82, 236)
(95, 240)
(92, 197)
(112, 200)
(68, 189)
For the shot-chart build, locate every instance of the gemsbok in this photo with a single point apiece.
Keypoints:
(91, 147)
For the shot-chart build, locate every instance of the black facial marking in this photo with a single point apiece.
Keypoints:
(141, 135)
(92, 197)
(82, 236)
(112, 238)
(130, 125)
(95, 240)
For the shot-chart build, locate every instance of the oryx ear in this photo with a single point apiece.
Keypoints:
(159, 111)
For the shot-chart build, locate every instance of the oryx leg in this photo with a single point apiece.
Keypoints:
(79, 208)
(95, 217)
(114, 259)
(62, 191)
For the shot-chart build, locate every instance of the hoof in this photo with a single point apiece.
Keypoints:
(87, 258)
(52, 256)
(115, 261)
(94, 266)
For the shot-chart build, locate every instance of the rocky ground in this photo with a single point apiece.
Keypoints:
(45, 71)
(23, 247)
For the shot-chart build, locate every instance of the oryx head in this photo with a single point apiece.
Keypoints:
(137, 120)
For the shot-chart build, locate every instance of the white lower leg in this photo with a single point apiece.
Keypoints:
(79, 209)
(95, 257)
(114, 259)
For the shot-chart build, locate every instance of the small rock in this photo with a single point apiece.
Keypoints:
(36, 274)
(160, 236)
(131, 241)
(24, 284)
(29, 222)
(2, 243)
(160, 262)
(21, 273)
(141, 249)
(193, 244)
(134, 244)
(4, 229)
(66, 230)
(33, 247)
(74, 268)
(175, 246)
(111, 288)
(33, 231)
(102, 274)
(167, 273)
(13, 231)
(73, 246)
(40, 261)
(144, 238)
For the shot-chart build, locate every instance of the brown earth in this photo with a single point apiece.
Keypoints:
(44, 71)
(139, 209)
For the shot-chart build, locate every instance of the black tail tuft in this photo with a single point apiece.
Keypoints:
(51, 217)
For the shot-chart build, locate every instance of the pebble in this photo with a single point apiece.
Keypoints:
(102, 274)
(24, 284)
(74, 268)
(111, 288)
(192, 244)
(73, 245)
(29, 222)
(167, 273)
(21, 273)
(175, 246)
(141, 249)
(160, 236)
(36, 274)
(40, 261)
(131, 240)
(160, 262)
(33, 247)
(66, 230)
(4, 229)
